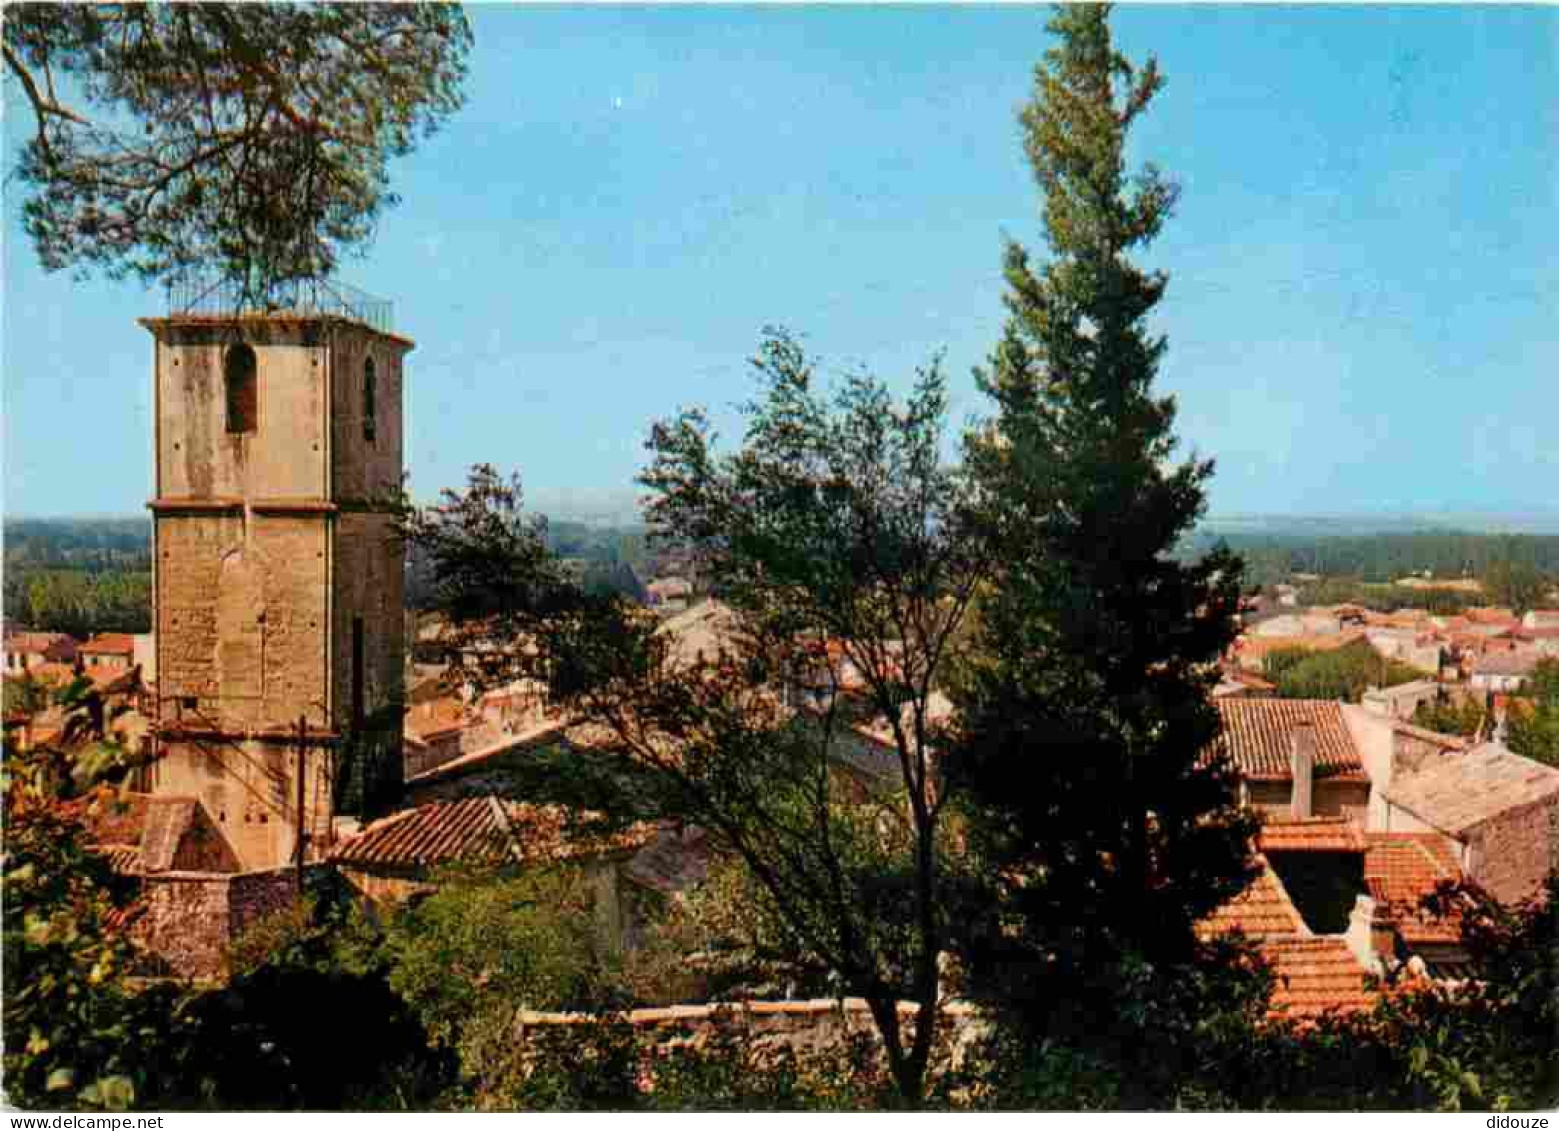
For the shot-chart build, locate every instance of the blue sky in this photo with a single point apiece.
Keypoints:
(1364, 265)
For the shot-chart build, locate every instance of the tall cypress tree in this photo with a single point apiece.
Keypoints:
(1085, 754)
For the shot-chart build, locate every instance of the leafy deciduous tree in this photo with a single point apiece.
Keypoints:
(832, 535)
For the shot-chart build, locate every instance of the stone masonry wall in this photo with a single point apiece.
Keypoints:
(364, 469)
(191, 917)
(284, 456)
(1512, 853)
(802, 1025)
(248, 790)
(241, 618)
(368, 583)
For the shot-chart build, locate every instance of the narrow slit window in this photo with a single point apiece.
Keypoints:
(243, 400)
(370, 398)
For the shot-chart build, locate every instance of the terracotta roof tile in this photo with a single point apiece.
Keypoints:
(50, 645)
(483, 829)
(111, 643)
(1262, 911)
(1257, 736)
(122, 858)
(1400, 869)
(1314, 976)
(1314, 834)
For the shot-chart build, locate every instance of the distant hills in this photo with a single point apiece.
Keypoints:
(1354, 525)
(614, 508)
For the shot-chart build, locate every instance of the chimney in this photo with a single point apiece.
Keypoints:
(1371, 936)
(1302, 761)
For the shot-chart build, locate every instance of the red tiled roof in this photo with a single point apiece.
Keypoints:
(484, 829)
(1262, 911)
(1313, 834)
(1400, 869)
(1257, 734)
(113, 819)
(101, 675)
(1486, 614)
(122, 858)
(121, 917)
(51, 645)
(111, 643)
(1314, 976)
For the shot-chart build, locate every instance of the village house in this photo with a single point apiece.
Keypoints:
(114, 651)
(410, 851)
(1401, 701)
(1503, 671)
(24, 650)
(1294, 756)
(1499, 808)
(1541, 618)
(669, 594)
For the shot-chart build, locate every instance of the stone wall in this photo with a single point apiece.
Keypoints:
(241, 617)
(803, 1025)
(363, 468)
(284, 456)
(249, 789)
(1330, 798)
(190, 918)
(1509, 855)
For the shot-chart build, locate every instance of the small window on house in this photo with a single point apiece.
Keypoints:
(370, 398)
(243, 402)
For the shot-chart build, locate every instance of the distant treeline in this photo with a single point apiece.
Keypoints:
(79, 602)
(601, 558)
(1271, 558)
(92, 544)
(79, 575)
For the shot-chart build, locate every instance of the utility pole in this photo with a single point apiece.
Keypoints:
(303, 728)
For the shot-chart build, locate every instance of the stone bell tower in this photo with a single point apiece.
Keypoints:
(278, 575)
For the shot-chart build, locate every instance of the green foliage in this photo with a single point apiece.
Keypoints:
(1088, 709)
(1280, 661)
(1465, 718)
(1388, 598)
(249, 139)
(1516, 584)
(67, 1018)
(1533, 731)
(837, 522)
(1342, 673)
(468, 958)
(25, 694)
(1381, 556)
(71, 1028)
(78, 602)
